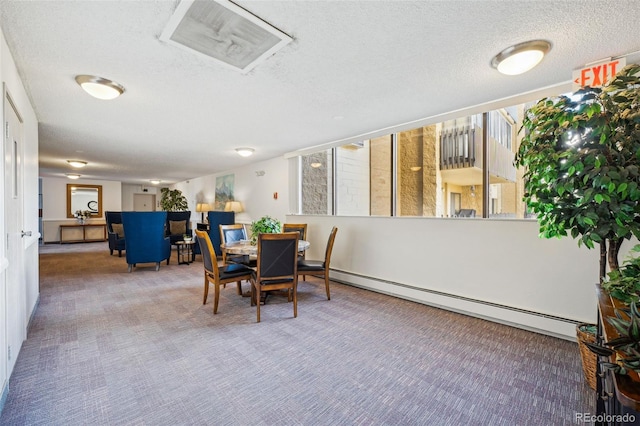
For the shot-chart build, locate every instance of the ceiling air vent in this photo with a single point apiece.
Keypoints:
(223, 31)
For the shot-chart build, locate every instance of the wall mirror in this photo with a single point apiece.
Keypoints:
(84, 197)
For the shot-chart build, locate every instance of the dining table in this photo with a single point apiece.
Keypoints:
(250, 252)
(244, 247)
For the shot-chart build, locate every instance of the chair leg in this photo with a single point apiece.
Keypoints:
(295, 301)
(216, 298)
(258, 305)
(206, 290)
(157, 266)
(129, 267)
(119, 253)
(110, 252)
(326, 284)
(239, 288)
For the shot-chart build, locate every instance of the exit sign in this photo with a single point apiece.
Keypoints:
(597, 75)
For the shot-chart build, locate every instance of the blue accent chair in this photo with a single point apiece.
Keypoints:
(183, 220)
(115, 233)
(145, 238)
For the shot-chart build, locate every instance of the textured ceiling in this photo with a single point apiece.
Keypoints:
(374, 63)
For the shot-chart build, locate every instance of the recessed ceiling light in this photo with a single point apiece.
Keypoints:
(77, 163)
(521, 57)
(99, 87)
(244, 152)
(73, 175)
(155, 181)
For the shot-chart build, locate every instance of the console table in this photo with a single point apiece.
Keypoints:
(83, 232)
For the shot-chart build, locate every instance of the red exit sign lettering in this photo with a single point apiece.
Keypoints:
(597, 75)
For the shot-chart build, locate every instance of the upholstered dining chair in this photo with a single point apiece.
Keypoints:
(301, 228)
(216, 275)
(276, 267)
(230, 234)
(320, 267)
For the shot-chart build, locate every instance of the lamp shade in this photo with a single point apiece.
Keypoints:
(233, 206)
(203, 207)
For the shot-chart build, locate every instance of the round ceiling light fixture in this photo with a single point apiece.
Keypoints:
(316, 165)
(77, 163)
(73, 176)
(99, 87)
(521, 57)
(244, 152)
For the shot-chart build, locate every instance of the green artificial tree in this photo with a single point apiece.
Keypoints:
(581, 155)
(172, 200)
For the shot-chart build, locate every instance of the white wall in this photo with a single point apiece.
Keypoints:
(128, 191)
(495, 269)
(256, 193)
(54, 203)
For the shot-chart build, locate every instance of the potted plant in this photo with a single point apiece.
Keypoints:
(624, 283)
(172, 200)
(582, 169)
(264, 225)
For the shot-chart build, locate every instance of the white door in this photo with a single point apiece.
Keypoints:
(14, 303)
(144, 202)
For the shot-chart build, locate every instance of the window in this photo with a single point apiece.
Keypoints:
(430, 171)
(317, 183)
(352, 179)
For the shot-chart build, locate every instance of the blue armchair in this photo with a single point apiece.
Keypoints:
(115, 232)
(145, 238)
(178, 224)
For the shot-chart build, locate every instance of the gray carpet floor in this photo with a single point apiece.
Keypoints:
(107, 347)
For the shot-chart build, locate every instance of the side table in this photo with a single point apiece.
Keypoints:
(185, 252)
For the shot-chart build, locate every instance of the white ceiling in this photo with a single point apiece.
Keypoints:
(374, 63)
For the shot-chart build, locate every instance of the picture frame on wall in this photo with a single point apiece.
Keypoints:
(224, 191)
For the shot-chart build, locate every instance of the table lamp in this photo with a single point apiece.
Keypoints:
(233, 206)
(202, 208)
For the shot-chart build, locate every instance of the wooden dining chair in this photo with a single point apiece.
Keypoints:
(276, 268)
(301, 228)
(320, 267)
(216, 275)
(230, 234)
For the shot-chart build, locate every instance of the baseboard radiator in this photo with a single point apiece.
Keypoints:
(538, 322)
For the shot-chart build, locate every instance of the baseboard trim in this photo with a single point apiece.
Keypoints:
(537, 322)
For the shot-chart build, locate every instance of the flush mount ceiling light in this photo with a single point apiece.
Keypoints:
(244, 152)
(99, 87)
(155, 181)
(223, 31)
(73, 175)
(77, 163)
(316, 165)
(521, 57)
